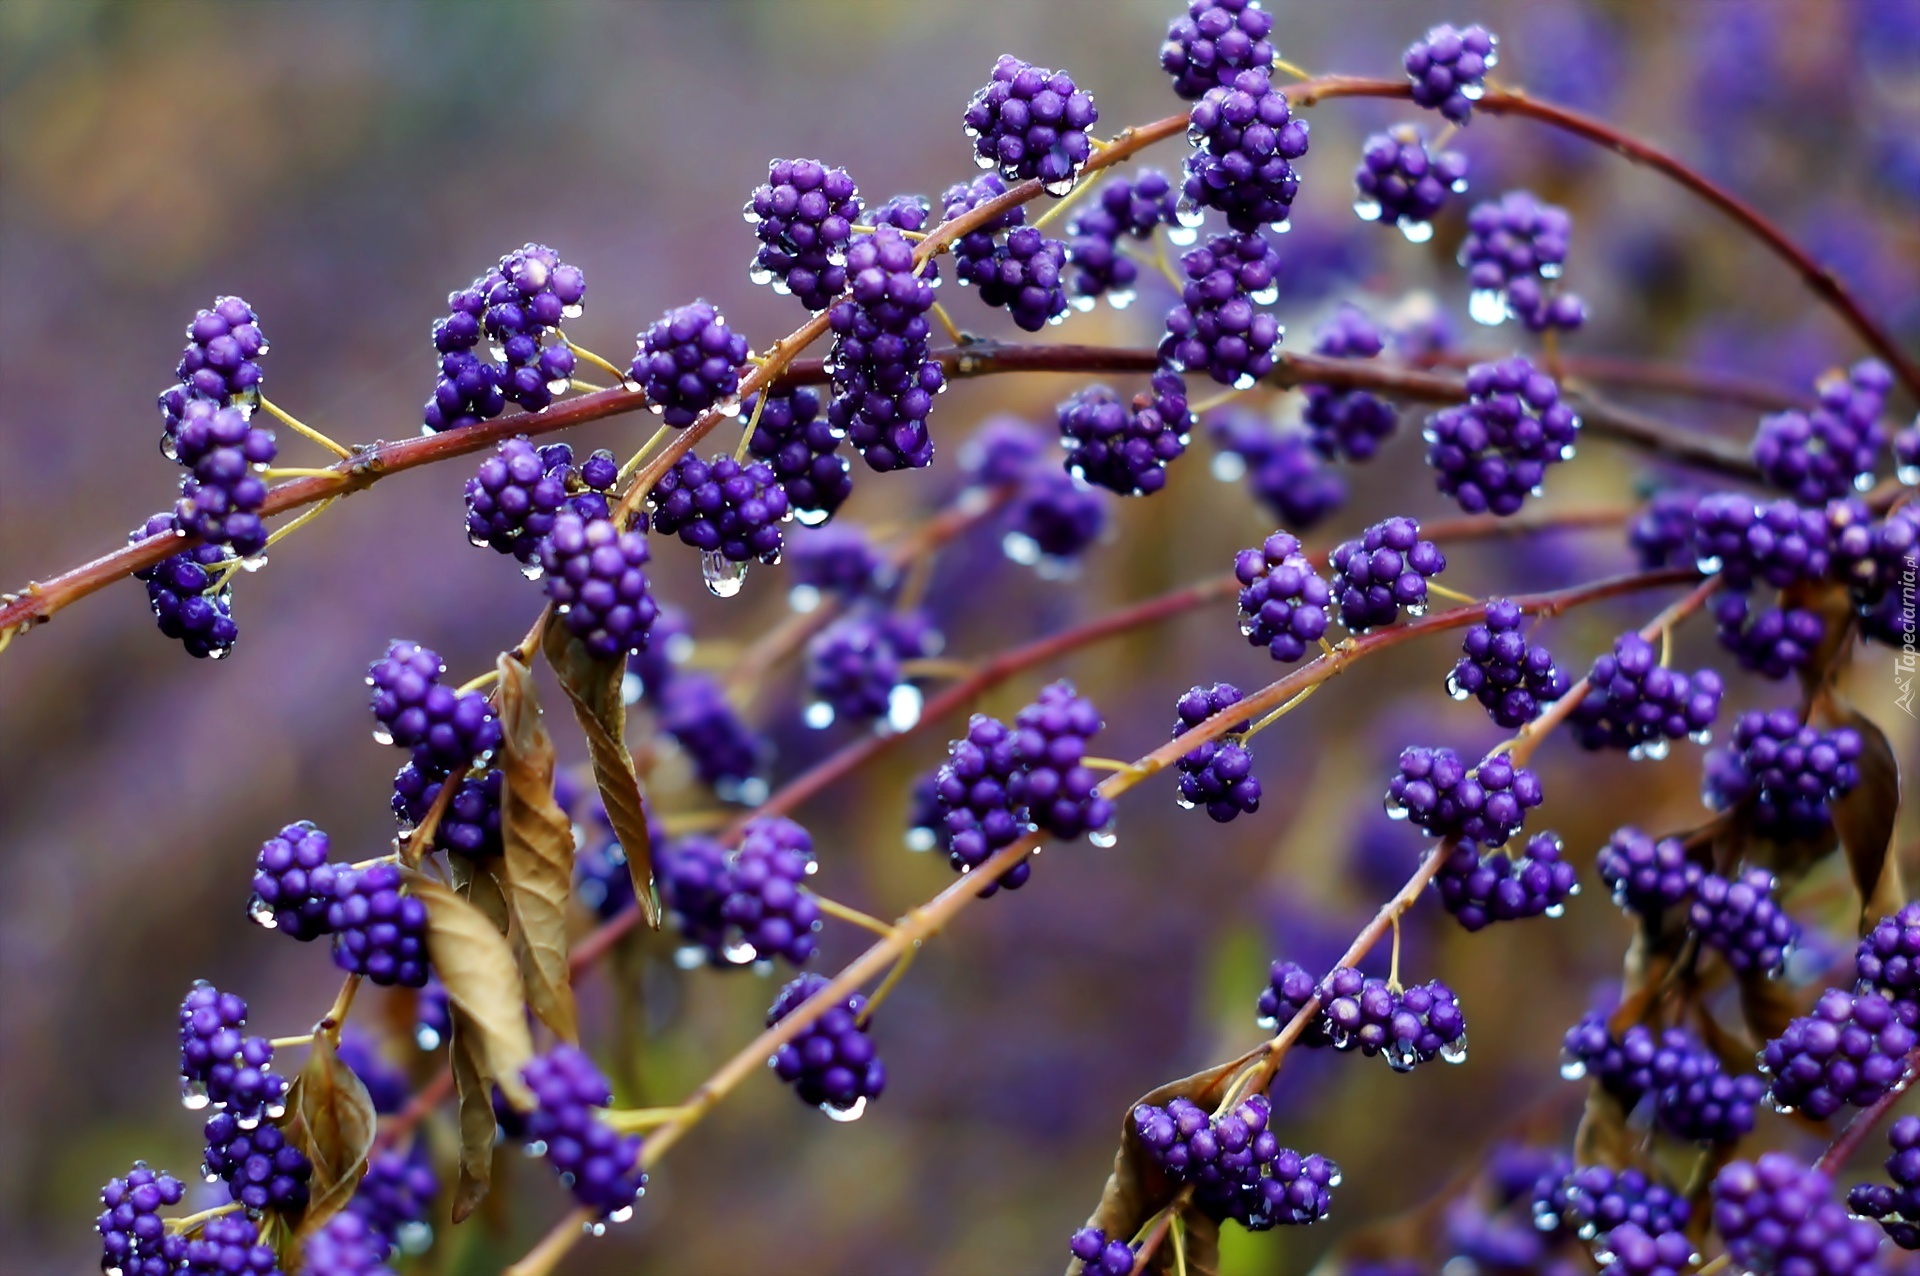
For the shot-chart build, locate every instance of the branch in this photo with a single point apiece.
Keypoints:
(1841, 1150)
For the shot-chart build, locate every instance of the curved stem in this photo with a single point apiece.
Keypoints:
(1848, 1141)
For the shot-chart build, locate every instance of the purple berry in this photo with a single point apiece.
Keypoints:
(1409, 1027)
(767, 905)
(1125, 209)
(379, 930)
(688, 361)
(979, 801)
(1235, 1164)
(1635, 703)
(1217, 775)
(1741, 920)
(1593, 1200)
(1290, 986)
(1661, 533)
(1281, 469)
(1789, 772)
(596, 577)
(347, 1246)
(1773, 643)
(231, 1245)
(1448, 67)
(446, 729)
(1003, 451)
(1053, 521)
(514, 498)
(1828, 453)
(1647, 876)
(1445, 799)
(1479, 890)
(1515, 249)
(219, 1065)
(1216, 328)
(854, 673)
(1401, 183)
(694, 884)
(1851, 1050)
(1049, 738)
(1215, 41)
(831, 1064)
(190, 593)
(134, 1240)
(221, 361)
(804, 214)
(1347, 424)
(1698, 1099)
(1780, 543)
(1778, 1216)
(1631, 1250)
(1031, 124)
(884, 381)
(261, 1169)
(1245, 138)
(1888, 962)
(1099, 1256)
(1283, 601)
(730, 512)
(725, 752)
(839, 561)
(1623, 1066)
(803, 451)
(1384, 570)
(1895, 1207)
(396, 1194)
(600, 1166)
(1511, 679)
(293, 882)
(1492, 452)
(1126, 449)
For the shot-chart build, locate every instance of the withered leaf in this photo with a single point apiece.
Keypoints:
(1137, 1188)
(1603, 1137)
(472, 1084)
(330, 1118)
(1864, 818)
(476, 964)
(1767, 1005)
(479, 887)
(594, 688)
(538, 838)
(1203, 1245)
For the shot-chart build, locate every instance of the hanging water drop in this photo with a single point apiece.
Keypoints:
(1487, 306)
(723, 576)
(852, 1113)
(1454, 689)
(1367, 209)
(1229, 467)
(1455, 1051)
(193, 1094)
(1104, 838)
(1417, 232)
(262, 913)
(904, 703)
(1573, 1069)
(1120, 298)
(919, 839)
(818, 715)
(1021, 548)
(1182, 235)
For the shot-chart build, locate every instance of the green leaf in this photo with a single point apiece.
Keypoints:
(538, 838)
(1137, 1189)
(330, 1118)
(594, 687)
(471, 1083)
(1864, 818)
(476, 964)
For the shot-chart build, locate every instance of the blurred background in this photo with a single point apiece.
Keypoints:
(343, 166)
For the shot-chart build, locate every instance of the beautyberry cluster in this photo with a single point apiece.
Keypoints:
(803, 450)
(1214, 42)
(1448, 68)
(1790, 772)
(1217, 775)
(804, 214)
(1235, 1164)
(1741, 920)
(1011, 264)
(293, 882)
(1444, 798)
(725, 753)
(1773, 641)
(1410, 1027)
(1888, 961)
(1031, 124)
(600, 1166)
(513, 500)
(1776, 1215)
(1780, 543)
(1386, 568)
(379, 928)
(1647, 876)
(1402, 183)
(1514, 253)
(1053, 521)
(730, 512)
(1830, 452)
(190, 593)
(222, 1067)
(1347, 424)
(1245, 138)
(883, 380)
(688, 361)
(854, 668)
(1895, 1206)
(518, 306)
(220, 364)
(261, 1169)
(1283, 601)
(1216, 328)
(1479, 890)
(597, 579)
(831, 1064)
(134, 1240)
(224, 452)
(1492, 452)
(1511, 678)
(1851, 1050)
(1635, 703)
(1126, 448)
(1125, 209)
(229, 1245)
(1099, 1256)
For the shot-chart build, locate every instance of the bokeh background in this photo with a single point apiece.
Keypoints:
(344, 165)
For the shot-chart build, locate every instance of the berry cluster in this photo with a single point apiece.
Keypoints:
(1888, 961)
(518, 492)
(261, 1169)
(1126, 449)
(601, 1167)
(1245, 138)
(1647, 876)
(1828, 453)
(1049, 738)
(1741, 920)
(1446, 799)
(1280, 467)
(883, 380)
(687, 362)
(803, 214)
(1125, 209)
(1236, 1166)
(134, 1240)
(220, 364)
(470, 825)
(728, 511)
(1772, 642)
(1778, 1216)
(1594, 1199)
(1385, 569)
(1055, 519)
(802, 449)
(347, 1246)
(978, 801)
(190, 594)
(1895, 1206)
(1214, 42)
(1290, 986)
(1694, 1097)
(1019, 269)
(1661, 533)
(726, 755)
(1479, 890)
(445, 728)
(1492, 452)
(230, 1245)
(1283, 601)
(1790, 773)
(837, 561)
(766, 905)
(1408, 1027)
(1347, 424)
(1099, 1256)
(597, 579)
(1635, 703)
(1779, 543)
(831, 1064)
(1215, 327)
(293, 883)
(222, 1067)
(1515, 250)
(1448, 68)
(853, 668)
(694, 884)
(1510, 678)
(1218, 774)
(1851, 1050)
(1031, 124)
(396, 1194)
(1401, 183)
(379, 929)
(518, 306)
(224, 452)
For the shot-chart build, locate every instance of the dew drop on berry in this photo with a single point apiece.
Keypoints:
(533, 570)
(1416, 232)
(722, 575)
(689, 956)
(1229, 467)
(1401, 1056)
(621, 1215)
(596, 1227)
(1104, 838)
(852, 1113)
(559, 385)
(1554, 910)
(919, 839)
(262, 913)
(1367, 210)
(818, 715)
(740, 954)
(803, 598)
(1021, 548)
(1183, 801)
(1550, 269)
(193, 1094)
(810, 518)
(1454, 689)
(1395, 811)
(1573, 1069)
(1416, 609)
(1455, 1051)
(1120, 298)
(1487, 306)
(904, 703)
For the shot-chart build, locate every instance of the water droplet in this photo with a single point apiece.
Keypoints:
(1367, 209)
(818, 715)
(751, 791)
(631, 688)
(920, 839)
(621, 1215)
(1908, 474)
(1081, 304)
(1709, 564)
(1573, 1069)
(1182, 235)
(381, 735)
(1417, 232)
(1120, 298)
(1550, 269)
(1243, 381)
(414, 1237)
(262, 913)
(1400, 1055)
(1454, 688)
(1184, 802)
(596, 1227)
(1104, 838)
(740, 952)
(904, 703)
(426, 1036)
(254, 563)
(1189, 215)
(1064, 186)
(1021, 548)
(723, 576)
(1545, 1218)
(1653, 750)
(1702, 736)
(276, 1110)
(853, 1113)
(689, 957)
(1455, 1051)
(811, 518)
(1474, 92)
(193, 1094)
(248, 1122)
(1416, 609)
(1554, 910)
(1395, 811)
(1488, 307)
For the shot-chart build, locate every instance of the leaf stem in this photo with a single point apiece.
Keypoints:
(887, 985)
(638, 1120)
(833, 908)
(303, 429)
(192, 1222)
(554, 1246)
(618, 374)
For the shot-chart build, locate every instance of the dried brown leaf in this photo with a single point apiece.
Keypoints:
(472, 1084)
(594, 687)
(330, 1118)
(1137, 1188)
(476, 964)
(1203, 1245)
(538, 838)
(1603, 1137)
(1767, 1005)
(479, 887)
(1864, 818)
